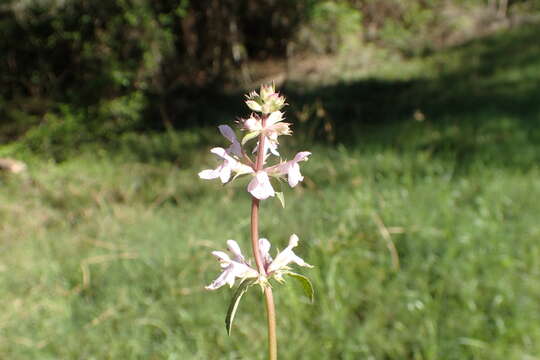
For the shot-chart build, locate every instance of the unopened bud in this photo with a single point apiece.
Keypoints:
(254, 105)
(267, 90)
(272, 103)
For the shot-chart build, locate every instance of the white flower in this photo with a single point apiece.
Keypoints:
(290, 168)
(285, 257)
(240, 268)
(260, 186)
(273, 128)
(232, 269)
(224, 170)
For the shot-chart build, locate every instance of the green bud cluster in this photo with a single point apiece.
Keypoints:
(266, 101)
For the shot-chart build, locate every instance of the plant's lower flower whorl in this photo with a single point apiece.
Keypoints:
(241, 269)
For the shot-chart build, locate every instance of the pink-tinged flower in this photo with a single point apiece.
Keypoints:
(290, 168)
(235, 148)
(232, 269)
(285, 257)
(223, 171)
(273, 128)
(239, 268)
(264, 248)
(252, 123)
(260, 186)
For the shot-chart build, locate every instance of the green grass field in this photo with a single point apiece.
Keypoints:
(105, 255)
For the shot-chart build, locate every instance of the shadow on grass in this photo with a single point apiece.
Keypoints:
(477, 101)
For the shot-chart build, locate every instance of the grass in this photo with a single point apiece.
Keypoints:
(104, 256)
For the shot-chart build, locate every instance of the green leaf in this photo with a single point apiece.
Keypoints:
(278, 182)
(281, 198)
(235, 300)
(249, 136)
(306, 284)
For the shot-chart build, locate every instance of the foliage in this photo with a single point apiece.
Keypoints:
(331, 27)
(83, 65)
(66, 128)
(75, 58)
(79, 56)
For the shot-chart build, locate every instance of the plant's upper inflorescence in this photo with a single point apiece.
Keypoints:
(236, 161)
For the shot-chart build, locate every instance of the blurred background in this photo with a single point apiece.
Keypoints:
(419, 207)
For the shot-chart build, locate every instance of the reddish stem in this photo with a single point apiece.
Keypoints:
(269, 298)
(259, 163)
(271, 312)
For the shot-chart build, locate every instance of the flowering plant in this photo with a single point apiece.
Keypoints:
(266, 125)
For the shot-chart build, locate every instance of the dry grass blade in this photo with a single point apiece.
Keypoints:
(385, 233)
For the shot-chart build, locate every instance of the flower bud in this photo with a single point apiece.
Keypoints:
(267, 91)
(267, 102)
(254, 105)
(272, 103)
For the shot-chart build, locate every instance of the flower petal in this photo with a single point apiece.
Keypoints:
(229, 275)
(222, 279)
(287, 256)
(271, 146)
(302, 156)
(222, 256)
(220, 152)
(291, 168)
(279, 129)
(253, 123)
(231, 270)
(228, 132)
(228, 166)
(253, 105)
(235, 249)
(225, 173)
(293, 175)
(273, 118)
(260, 186)
(209, 174)
(264, 247)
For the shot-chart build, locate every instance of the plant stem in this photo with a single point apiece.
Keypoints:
(271, 311)
(255, 235)
(269, 298)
